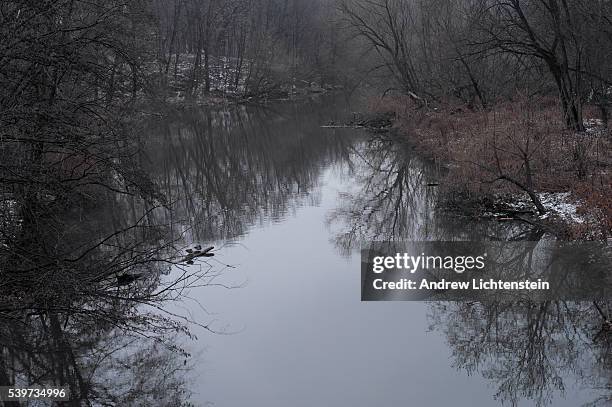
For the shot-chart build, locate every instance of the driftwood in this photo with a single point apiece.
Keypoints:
(377, 122)
(342, 126)
(196, 253)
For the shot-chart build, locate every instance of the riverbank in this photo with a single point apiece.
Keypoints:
(515, 161)
(229, 81)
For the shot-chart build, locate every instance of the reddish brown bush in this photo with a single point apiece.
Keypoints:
(525, 140)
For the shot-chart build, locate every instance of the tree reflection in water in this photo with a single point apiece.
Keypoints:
(88, 308)
(528, 349)
(100, 363)
(230, 169)
(69, 318)
(85, 303)
(393, 200)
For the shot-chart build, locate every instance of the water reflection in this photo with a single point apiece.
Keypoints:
(228, 170)
(100, 363)
(85, 250)
(81, 304)
(393, 196)
(391, 200)
(528, 349)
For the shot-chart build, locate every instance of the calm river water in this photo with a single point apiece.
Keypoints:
(287, 204)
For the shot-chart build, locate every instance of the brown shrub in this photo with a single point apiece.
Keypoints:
(524, 139)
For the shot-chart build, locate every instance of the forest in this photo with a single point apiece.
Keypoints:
(507, 101)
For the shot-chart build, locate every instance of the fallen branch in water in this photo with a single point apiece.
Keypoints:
(343, 126)
(194, 254)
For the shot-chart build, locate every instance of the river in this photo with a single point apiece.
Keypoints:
(287, 205)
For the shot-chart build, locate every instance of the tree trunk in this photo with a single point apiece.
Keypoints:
(568, 94)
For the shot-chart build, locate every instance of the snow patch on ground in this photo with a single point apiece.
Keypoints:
(594, 127)
(557, 204)
(562, 205)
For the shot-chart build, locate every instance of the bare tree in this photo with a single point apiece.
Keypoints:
(549, 30)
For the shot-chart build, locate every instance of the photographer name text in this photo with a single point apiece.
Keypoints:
(458, 264)
(475, 284)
